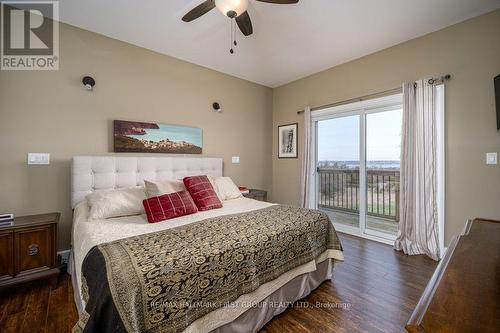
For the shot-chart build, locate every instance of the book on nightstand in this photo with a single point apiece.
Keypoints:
(6, 224)
(6, 220)
(4, 217)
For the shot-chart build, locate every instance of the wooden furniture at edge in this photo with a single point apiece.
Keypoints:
(28, 249)
(463, 295)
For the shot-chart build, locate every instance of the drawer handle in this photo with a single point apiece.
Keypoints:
(33, 250)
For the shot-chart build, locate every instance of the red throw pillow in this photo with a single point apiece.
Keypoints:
(202, 192)
(168, 206)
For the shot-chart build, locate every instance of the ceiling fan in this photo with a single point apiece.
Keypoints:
(234, 9)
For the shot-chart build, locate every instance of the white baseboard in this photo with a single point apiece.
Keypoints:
(443, 252)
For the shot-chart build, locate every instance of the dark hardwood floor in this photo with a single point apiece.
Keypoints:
(34, 307)
(374, 290)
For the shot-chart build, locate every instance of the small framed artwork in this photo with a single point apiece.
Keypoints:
(287, 141)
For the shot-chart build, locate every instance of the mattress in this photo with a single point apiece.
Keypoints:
(87, 234)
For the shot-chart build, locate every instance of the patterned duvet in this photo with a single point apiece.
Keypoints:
(163, 281)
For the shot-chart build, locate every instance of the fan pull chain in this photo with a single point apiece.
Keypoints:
(234, 36)
(231, 42)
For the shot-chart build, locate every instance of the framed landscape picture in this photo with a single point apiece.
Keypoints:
(138, 137)
(287, 141)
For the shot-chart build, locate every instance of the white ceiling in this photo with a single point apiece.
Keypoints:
(289, 41)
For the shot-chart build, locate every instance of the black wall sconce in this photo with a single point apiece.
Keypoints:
(88, 82)
(216, 107)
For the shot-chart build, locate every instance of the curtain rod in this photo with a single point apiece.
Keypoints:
(437, 80)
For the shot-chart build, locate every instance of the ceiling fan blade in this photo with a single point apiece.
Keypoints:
(280, 2)
(199, 10)
(245, 24)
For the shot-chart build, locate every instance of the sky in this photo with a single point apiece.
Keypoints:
(338, 139)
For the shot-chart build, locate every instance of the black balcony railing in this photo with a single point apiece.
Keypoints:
(339, 190)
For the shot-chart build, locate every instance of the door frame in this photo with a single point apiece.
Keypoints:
(361, 109)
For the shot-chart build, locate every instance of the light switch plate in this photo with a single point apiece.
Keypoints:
(38, 158)
(235, 159)
(491, 158)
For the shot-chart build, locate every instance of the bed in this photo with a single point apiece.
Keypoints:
(224, 270)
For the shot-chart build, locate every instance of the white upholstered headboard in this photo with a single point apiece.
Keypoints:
(93, 173)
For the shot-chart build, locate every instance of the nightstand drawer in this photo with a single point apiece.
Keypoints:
(33, 249)
(6, 255)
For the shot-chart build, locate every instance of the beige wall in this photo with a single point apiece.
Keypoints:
(470, 52)
(52, 112)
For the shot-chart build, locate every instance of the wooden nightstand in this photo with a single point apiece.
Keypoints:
(260, 195)
(28, 249)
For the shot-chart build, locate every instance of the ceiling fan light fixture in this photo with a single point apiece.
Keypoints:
(232, 8)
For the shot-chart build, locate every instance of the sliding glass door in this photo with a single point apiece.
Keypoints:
(357, 150)
(338, 160)
(383, 150)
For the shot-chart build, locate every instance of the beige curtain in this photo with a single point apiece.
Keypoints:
(307, 177)
(418, 226)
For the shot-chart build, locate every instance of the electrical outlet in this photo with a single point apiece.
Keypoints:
(64, 257)
(491, 158)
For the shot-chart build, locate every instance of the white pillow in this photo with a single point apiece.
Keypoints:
(214, 185)
(115, 203)
(226, 188)
(167, 186)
